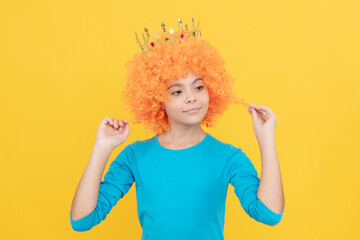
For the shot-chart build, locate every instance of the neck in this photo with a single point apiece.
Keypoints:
(184, 134)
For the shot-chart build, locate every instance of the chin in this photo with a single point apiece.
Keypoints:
(194, 119)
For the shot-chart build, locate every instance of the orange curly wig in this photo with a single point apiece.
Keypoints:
(148, 76)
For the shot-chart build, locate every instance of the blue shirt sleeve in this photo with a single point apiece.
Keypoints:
(117, 182)
(244, 178)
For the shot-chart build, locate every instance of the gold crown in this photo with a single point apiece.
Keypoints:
(182, 33)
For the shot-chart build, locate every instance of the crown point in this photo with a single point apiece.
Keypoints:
(183, 32)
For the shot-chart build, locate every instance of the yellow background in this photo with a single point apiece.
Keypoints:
(62, 71)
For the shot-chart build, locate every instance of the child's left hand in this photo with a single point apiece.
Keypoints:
(264, 121)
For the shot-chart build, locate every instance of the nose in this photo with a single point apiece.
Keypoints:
(190, 97)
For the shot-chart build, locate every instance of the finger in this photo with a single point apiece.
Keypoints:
(264, 108)
(261, 116)
(105, 120)
(126, 129)
(126, 124)
(250, 110)
(116, 123)
(108, 121)
(253, 113)
(252, 105)
(260, 112)
(122, 125)
(256, 106)
(265, 111)
(120, 130)
(257, 115)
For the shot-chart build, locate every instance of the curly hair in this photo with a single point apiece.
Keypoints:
(148, 76)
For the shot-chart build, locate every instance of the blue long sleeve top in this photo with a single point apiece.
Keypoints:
(180, 194)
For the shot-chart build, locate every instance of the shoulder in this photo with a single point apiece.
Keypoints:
(233, 153)
(140, 145)
(131, 152)
(227, 149)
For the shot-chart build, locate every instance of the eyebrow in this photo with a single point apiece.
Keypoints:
(179, 84)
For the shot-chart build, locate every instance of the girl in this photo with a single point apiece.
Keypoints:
(176, 85)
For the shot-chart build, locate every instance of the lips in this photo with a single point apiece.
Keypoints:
(191, 109)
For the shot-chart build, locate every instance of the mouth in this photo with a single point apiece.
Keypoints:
(193, 110)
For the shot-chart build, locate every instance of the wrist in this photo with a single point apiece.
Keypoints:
(104, 146)
(266, 139)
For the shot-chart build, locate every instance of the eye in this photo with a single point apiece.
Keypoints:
(200, 88)
(175, 92)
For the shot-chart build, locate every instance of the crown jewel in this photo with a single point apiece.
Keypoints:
(149, 43)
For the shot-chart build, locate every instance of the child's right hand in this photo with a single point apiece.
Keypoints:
(112, 132)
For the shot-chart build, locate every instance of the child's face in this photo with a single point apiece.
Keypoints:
(190, 94)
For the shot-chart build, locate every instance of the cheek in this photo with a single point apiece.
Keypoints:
(173, 106)
(205, 97)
